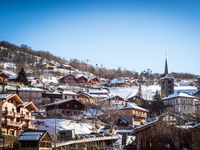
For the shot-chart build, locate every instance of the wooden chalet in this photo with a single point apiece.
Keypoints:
(82, 80)
(159, 135)
(35, 140)
(69, 79)
(65, 108)
(3, 78)
(94, 82)
(16, 115)
(86, 98)
(139, 101)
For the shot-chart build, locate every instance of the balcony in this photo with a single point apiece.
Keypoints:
(27, 117)
(32, 126)
(17, 115)
(8, 113)
(29, 126)
(11, 123)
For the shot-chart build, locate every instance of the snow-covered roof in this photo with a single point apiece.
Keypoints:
(178, 95)
(117, 81)
(30, 78)
(63, 124)
(24, 88)
(59, 102)
(130, 105)
(69, 93)
(98, 91)
(4, 96)
(31, 135)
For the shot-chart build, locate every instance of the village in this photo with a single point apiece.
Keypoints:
(80, 111)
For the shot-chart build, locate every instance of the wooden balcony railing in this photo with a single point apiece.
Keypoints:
(8, 113)
(32, 126)
(11, 123)
(27, 117)
(17, 115)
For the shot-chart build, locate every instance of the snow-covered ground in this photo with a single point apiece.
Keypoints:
(63, 124)
(126, 92)
(147, 91)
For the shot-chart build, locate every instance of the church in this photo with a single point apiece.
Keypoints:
(176, 102)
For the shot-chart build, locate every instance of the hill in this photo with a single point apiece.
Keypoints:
(34, 60)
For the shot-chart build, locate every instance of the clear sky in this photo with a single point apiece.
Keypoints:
(132, 34)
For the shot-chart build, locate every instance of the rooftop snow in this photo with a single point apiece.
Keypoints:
(4, 96)
(132, 106)
(63, 124)
(14, 88)
(30, 136)
(178, 95)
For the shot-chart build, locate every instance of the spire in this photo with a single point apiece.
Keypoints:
(166, 67)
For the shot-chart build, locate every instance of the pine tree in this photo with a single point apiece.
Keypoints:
(22, 76)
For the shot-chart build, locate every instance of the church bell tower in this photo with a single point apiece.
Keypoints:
(166, 82)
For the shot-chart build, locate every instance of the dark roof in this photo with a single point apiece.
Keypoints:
(32, 135)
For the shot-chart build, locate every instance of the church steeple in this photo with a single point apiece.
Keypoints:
(167, 82)
(166, 67)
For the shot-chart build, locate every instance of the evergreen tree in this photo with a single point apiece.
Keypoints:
(157, 104)
(22, 76)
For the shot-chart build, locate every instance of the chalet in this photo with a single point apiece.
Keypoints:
(32, 80)
(35, 140)
(138, 100)
(49, 66)
(69, 79)
(16, 114)
(49, 97)
(114, 101)
(94, 82)
(26, 93)
(3, 81)
(160, 135)
(82, 80)
(3, 78)
(181, 103)
(65, 108)
(69, 95)
(132, 113)
(118, 82)
(85, 98)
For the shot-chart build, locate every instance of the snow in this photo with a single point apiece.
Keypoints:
(98, 91)
(178, 95)
(52, 79)
(4, 96)
(127, 92)
(24, 88)
(63, 124)
(130, 105)
(147, 91)
(10, 73)
(117, 81)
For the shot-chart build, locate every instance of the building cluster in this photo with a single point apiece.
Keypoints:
(77, 98)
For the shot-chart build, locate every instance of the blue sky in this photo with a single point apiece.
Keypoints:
(134, 35)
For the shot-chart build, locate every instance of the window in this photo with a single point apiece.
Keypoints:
(12, 132)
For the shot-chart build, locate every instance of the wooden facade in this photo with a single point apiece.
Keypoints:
(16, 114)
(65, 108)
(69, 79)
(86, 98)
(35, 140)
(158, 135)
